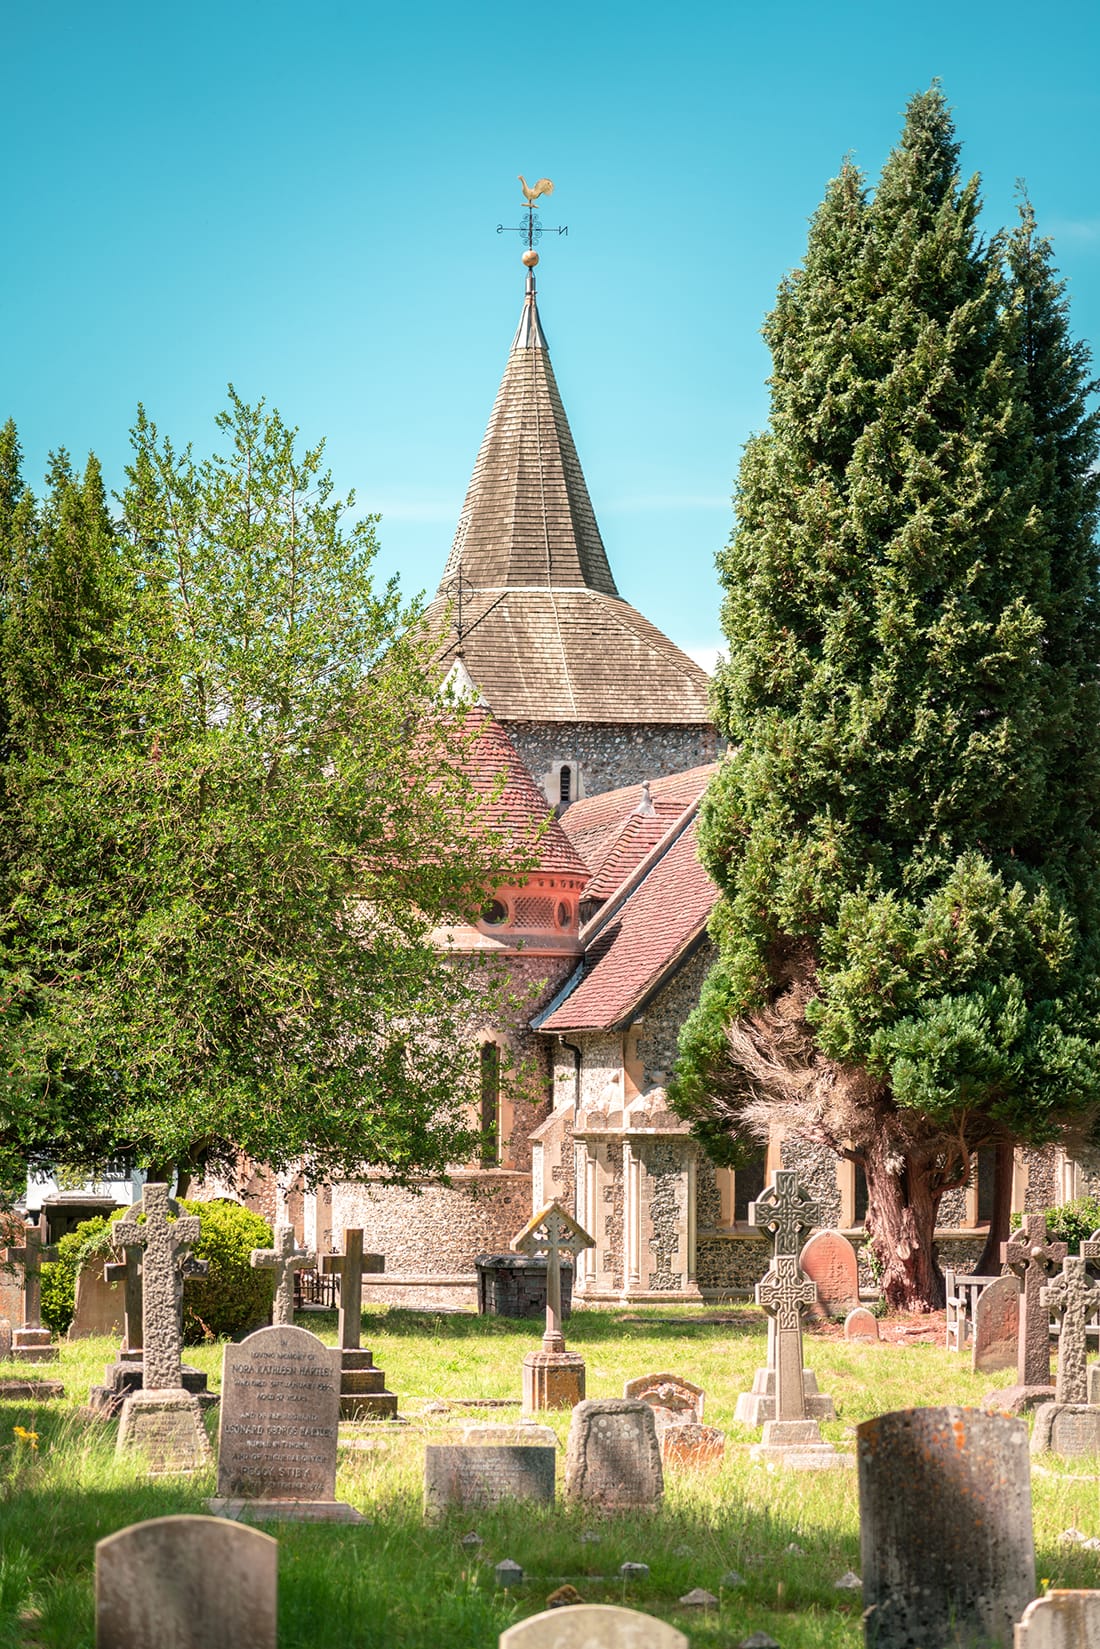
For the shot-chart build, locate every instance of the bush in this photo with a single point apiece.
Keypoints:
(1073, 1221)
(59, 1276)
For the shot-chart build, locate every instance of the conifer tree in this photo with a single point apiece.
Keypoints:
(904, 833)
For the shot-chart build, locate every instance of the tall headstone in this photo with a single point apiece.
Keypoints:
(945, 1527)
(31, 1342)
(758, 1406)
(127, 1373)
(1030, 1257)
(553, 1378)
(1060, 1620)
(996, 1340)
(829, 1260)
(1070, 1425)
(793, 1438)
(97, 1308)
(163, 1419)
(363, 1394)
(593, 1626)
(185, 1583)
(277, 1432)
(284, 1258)
(612, 1457)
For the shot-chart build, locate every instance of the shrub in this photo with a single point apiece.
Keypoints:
(59, 1276)
(1073, 1221)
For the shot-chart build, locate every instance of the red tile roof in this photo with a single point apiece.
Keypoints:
(596, 825)
(513, 802)
(639, 941)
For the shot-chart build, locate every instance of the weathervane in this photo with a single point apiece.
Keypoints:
(532, 228)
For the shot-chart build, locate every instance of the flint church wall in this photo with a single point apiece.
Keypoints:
(611, 755)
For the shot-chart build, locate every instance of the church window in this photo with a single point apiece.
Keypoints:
(565, 914)
(494, 913)
(490, 1104)
(748, 1182)
(565, 784)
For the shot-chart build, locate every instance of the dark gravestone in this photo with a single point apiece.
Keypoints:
(613, 1458)
(185, 1583)
(456, 1475)
(996, 1327)
(514, 1285)
(945, 1527)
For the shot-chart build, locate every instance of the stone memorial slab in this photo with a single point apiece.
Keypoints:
(945, 1527)
(165, 1428)
(460, 1476)
(829, 1260)
(99, 1303)
(5, 1340)
(996, 1340)
(691, 1444)
(1060, 1620)
(1066, 1428)
(592, 1626)
(674, 1400)
(861, 1324)
(612, 1458)
(185, 1583)
(277, 1435)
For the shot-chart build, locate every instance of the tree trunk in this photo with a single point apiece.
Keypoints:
(989, 1263)
(901, 1223)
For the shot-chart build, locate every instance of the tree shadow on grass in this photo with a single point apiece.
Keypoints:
(582, 1326)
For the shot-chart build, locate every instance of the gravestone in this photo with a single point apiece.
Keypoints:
(163, 1419)
(996, 1339)
(1030, 1257)
(945, 1527)
(1066, 1428)
(99, 1304)
(1072, 1298)
(689, 1443)
(553, 1378)
(285, 1258)
(674, 1400)
(5, 1340)
(592, 1626)
(185, 1583)
(525, 1432)
(277, 1434)
(31, 1342)
(363, 1394)
(1060, 1620)
(829, 1260)
(127, 1373)
(612, 1457)
(861, 1324)
(462, 1476)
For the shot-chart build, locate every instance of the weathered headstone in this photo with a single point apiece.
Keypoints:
(1060, 1620)
(277, 1433)
(31, 1343)
(163, 1420)
(525, 1432)
(592, 1626)
(674, 1400)
(945, 1527)
(285, 1258)
(5, 1340)
(612, 1458)
(363, 1394)
(553, 1378)
(689, 1443)
(127, 1373)
(829, 1260)
(1072, 1298)
(861, 1324)
(185, 1583)
(1030, 1257)
(996, 1326)
(98, 1307)
(1066, 1428)
(460, 1476)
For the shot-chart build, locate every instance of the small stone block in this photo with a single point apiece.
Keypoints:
(1062, 1619)
(508, 1573)
(586, 1625)
(634, 1571)
(1066, 1428)
(283, 1511)
(861, 1324)
(185, 1583)
(552, 1380)
(457, 1476)
(166, 1428)
(698, 1598)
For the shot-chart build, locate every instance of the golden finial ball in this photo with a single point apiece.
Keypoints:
(530, 259)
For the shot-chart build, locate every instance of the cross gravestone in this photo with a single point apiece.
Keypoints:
(946, 1540)
(1070, 1425)
(460, 1475)
(612, 1457)
(553, 1378)
(162, 1419)
(31, 1342)
(996, 1341)
(363, 1394)
(185, 1582)
(277, 1431)
(285, 1258)
(792, 1438)
(127, 1373)
(1030, 1257)
(593, 1626)
(1061, 1619)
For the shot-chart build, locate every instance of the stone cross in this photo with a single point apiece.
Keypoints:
(784, 1292)
(127, 1271)
(1033, 1258)
(349, 1267)
(1090, 1247)
(1073, 1297)
(30, 1256)
(284, 1259)
(785, 1211)
(165, 1243)
(550, 1234)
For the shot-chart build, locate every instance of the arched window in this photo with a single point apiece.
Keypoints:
(565, 784)
(490, 1105)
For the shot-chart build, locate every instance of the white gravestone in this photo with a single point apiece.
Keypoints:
(592, 1626)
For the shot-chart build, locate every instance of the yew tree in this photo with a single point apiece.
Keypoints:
(905, 830)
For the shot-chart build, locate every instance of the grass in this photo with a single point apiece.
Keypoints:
(405, 1585)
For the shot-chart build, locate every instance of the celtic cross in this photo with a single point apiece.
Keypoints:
(284, 1259)
(785, 1211)
(1032, 1257)
(165, 1242)
(1072, 1297)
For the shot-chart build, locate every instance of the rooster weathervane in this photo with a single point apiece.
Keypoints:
(532, 228)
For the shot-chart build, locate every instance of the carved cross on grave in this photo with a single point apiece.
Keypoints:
(1032, 1258)
(30, 1256)
(1072, 1297)
(785, 1291)
(127, 1271)
(166, 1243)
(785, 1211)
(349, 1267)
(1090, 1247)
(550, 1234)
(284, 1259)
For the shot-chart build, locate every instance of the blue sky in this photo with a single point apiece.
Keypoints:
(304, 201)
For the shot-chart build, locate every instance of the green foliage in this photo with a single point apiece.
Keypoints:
(88, 1240)
(1073, 1222)
(232, 1298)
(905, 829)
